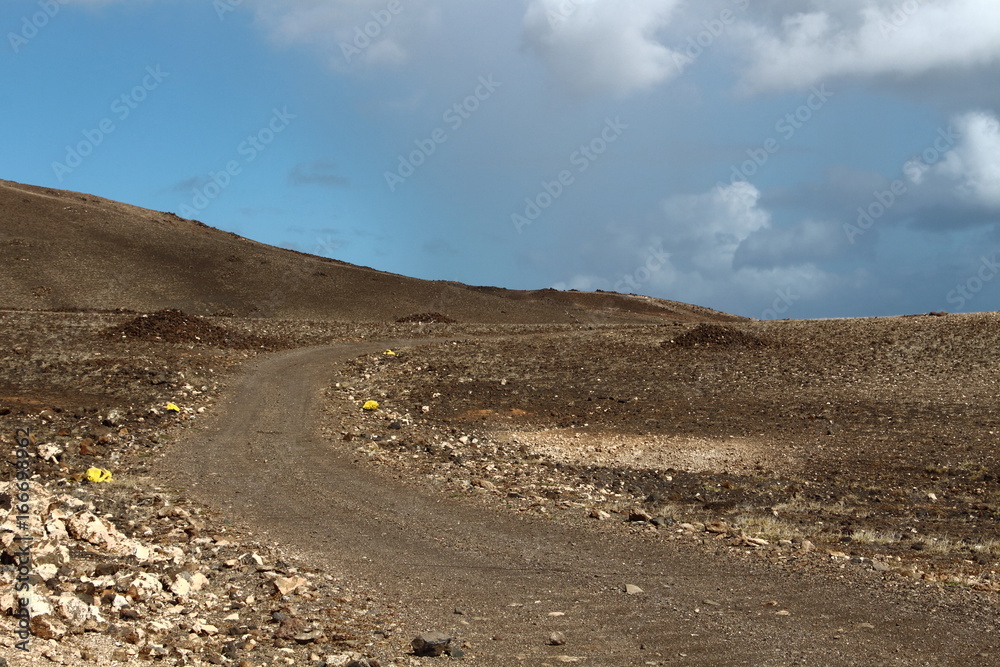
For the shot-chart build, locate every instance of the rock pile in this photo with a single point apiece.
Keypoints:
(165, 586)
(427, 318)
(717, 335)
(175, 326)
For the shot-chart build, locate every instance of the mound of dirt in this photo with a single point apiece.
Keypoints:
(717, 335)
(175, 326)
(427, 318)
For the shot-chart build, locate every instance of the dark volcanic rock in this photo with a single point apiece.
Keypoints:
(431, 643)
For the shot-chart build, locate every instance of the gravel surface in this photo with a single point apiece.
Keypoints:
(740, 493)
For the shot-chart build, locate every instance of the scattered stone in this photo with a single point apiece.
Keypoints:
(639, 516)
(289, 628)
(431, 644)
(309, 636)
(632, 589)
(46, 627)
(49, 452)
(144, 586)
(718, 527)
(286, 585)
(556, 639)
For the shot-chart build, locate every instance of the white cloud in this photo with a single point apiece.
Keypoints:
(689, 256)
(709, 227)
(879, 37)
(601, 46)
(372, 32)
(972, 167)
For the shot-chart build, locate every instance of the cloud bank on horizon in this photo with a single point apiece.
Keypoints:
(765, 157)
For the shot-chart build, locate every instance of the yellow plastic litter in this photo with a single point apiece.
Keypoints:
(97, 475)
(370, 405)
(389, 353)
(173, 407)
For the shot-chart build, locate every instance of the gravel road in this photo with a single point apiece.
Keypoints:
(501, 583)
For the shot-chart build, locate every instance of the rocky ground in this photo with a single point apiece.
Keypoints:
(855, 443)
(129, 570)
(870, 441)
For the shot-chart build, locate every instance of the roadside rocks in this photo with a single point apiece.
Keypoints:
(431, 644)
(162, 594)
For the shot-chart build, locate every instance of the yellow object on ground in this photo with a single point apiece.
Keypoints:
(97, 475)
(173, 407)
(389, 353)
(370, 405)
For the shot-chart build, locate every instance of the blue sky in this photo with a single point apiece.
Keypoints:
(765, 157)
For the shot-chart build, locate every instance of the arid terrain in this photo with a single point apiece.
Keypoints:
(596, 479)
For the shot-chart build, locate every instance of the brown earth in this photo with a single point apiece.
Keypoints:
(71, 251)
(796, 492)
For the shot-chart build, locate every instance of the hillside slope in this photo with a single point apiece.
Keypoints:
(67, 250)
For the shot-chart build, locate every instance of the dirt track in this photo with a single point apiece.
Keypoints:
(260, 459)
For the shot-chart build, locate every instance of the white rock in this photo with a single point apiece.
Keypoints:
(286, 585)
(49, 452)
(180, 586)
(90, 528)
(73, 610)
(50, 552)
(38, 604)
(46, 570)
(144, 586)
(56, 528)
(198, 581)
(161, 625)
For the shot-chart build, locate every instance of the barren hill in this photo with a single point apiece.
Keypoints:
(67, 250)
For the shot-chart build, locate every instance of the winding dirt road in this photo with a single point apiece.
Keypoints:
(259, 458)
